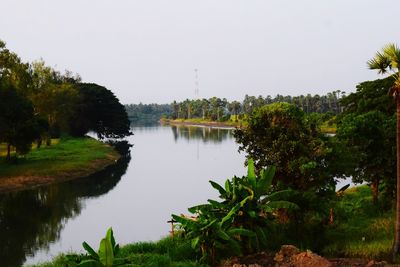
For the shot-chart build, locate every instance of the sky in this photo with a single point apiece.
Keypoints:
(146, 51)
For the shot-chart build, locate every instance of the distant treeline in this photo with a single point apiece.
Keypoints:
(147, 113)
(217, 109)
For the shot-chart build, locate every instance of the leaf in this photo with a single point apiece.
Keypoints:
(261, 235)
(265, 182)
(220, 189)
(279, 195)
(232, 212)
(223, 235)
(110, 237)
(195, 242)
(251, 175)
(116, 250)
(196, 209)
(215, 204)
(344, 188)
(209, 225)
(106, 255)
(242, 232)
(228, 186)
(90, 250)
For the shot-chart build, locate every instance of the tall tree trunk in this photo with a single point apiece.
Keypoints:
(375, 190)
(396, 246)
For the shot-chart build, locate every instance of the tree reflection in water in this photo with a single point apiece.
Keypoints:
(205, 134)
(33, 219)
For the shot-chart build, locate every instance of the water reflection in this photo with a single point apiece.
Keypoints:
(33, 219)
(205, 134)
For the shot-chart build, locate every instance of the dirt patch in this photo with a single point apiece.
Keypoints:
(290, 256)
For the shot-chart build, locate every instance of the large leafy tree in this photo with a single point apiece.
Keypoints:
(278, 134)
(388, 60)
(370, 136)
(99, 111)
(19, 126)
(367, 127)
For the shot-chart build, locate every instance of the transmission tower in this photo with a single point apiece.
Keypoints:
(196, 83)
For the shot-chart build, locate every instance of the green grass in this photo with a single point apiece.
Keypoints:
(362, 229)
(74, 155)
(168, 252)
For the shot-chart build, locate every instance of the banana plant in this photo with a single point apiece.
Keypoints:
(240, 218)
(209, 234)
(106, 254)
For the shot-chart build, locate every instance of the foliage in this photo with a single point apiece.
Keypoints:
(361, 229)
(99, 111)
(106, 255)
(239, 222)
(39, 103)
(19, 126)
(143, 114)
(367, 127)
(217, 109)
(279, 134)
(173, 252)
(371, 137)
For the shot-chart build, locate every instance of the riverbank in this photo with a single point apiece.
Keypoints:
(68, 159)
(227, 124)
(201, 122)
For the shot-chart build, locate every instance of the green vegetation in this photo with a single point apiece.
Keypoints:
(70, 156)
(361, 228)
(240, 222)
(168, 252)
(39, 103)
(147, 114)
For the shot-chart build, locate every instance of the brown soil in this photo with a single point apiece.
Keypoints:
(290, 256)
(16, 183)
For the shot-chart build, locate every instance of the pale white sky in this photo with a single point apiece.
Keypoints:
(146, 51)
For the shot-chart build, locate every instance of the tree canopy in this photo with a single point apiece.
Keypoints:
(278, 134)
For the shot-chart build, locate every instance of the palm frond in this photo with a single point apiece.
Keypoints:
(380, 62)
(392, 52)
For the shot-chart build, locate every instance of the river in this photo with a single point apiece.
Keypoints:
(166, 172)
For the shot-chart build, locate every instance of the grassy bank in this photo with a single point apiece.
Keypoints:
(167, 252)
(66, 159)
(362, 229)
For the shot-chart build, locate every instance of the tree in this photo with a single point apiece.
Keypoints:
(370, 136)
(367, 127)
(278, 134)
(99, 111)
(388, 60)
(54, 96)
(19, 127)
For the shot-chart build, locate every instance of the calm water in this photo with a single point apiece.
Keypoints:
(166, 172)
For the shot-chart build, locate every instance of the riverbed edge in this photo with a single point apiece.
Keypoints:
(26, 182)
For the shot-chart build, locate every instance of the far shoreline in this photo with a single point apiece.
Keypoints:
(212, 124)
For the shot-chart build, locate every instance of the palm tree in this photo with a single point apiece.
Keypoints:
(388, 60)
